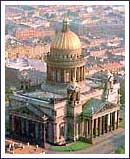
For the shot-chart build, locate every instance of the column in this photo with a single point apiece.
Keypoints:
(102, 124)
(22, 126)
(71, 74)
(94, 128)
(83, 72)
(41, 137)
(13, 123)
(91, 128)
(82, 128)
(51, 130)
(86, 128)
(19, 126)
(106, 123)
(55, 132)
(64, 75)
(77, 130)
(56, 78)
(27, 127)
(113, 120)
(47, 72)
(55, 75)
(110, 128)
(10, 123)
(24, 121)
(78, 74)
(41, 132)
(117, 125)
(36, 131)
(99, 126)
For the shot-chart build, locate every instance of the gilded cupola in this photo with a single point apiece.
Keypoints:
(66, 39)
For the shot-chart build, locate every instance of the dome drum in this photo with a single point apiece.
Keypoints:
(63, 57)
(64, 74)
(62, 51)
(67, 64)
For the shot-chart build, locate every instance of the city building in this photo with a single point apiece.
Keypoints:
(24, 72)
(31, 32)
(67, 107)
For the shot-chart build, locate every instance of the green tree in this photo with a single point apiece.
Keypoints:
(120, 150)
(8, 93)
(122, 92)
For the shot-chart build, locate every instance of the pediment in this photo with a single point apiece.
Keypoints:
(107, 106)
(27, 112)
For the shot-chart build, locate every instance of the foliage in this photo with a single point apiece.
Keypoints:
(78, 145)
(122, 124)
(120, 150)
(7, 126)
(8, 92)
(122, 92)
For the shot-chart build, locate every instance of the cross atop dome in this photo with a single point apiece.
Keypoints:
(65, 24)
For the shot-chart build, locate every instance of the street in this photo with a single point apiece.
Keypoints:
(108, 146)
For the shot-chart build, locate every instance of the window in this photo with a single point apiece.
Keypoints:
(54, 75)
(62, 129)
(67, 76)
(58, 76)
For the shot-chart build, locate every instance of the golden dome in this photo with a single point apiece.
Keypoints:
(66, 39)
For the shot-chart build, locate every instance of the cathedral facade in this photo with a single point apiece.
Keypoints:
(67, 107)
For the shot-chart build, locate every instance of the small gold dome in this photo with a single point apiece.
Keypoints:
(66, 39)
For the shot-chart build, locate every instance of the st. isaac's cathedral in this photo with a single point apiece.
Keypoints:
(68, 107)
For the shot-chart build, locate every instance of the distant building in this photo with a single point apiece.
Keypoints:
(24, 71)
(31, 32)
(32, 51)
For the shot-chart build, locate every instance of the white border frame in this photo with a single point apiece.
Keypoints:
(126, 4)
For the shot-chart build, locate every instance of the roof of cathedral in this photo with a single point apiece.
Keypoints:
(66, 39)
(92, 106)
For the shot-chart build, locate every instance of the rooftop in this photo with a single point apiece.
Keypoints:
(43, 95)
(92, 106)
(22, 148)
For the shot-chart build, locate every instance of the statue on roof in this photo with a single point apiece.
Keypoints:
(73, 91)
(108, 86)
(105, 92)
(110, 80)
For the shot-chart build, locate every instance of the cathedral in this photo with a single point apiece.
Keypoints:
(68, 107)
